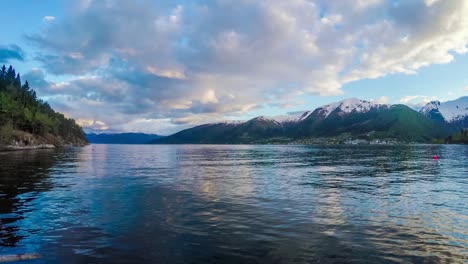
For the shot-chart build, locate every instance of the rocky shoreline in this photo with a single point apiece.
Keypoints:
(26, 141)
(16, 147)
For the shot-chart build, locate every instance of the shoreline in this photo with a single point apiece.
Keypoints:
(10, 148)
(32, 147)
(21, 140)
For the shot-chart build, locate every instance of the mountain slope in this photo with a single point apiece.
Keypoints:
(351, 118)
(121, 138)
(227, 133)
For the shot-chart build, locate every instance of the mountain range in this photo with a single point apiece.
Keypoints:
(350, 119)
(121, 138)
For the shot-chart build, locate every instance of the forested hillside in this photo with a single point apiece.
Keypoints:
(458, 138)
(28, 120)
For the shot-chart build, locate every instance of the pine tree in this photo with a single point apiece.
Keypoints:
(18, 80)
(10, 75)
(2, 77)
(3, 72)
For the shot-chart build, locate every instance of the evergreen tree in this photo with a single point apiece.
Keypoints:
(18, 80)
(10, 75)
(3, 72)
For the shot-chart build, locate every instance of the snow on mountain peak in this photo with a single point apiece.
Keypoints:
(348, 106)
(450, 110)
(227, 122)
(433, 105)
(291, 118)
(264, 119)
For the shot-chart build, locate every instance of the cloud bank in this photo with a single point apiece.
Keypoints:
(160, 65)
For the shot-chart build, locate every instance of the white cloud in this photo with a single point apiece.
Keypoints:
(94, 125)
(332, 19)
(166, 61)
(381, 100)
(466, 88)
(430, 2)
(48, 19)
(416, 101)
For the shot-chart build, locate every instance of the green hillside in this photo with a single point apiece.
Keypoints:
(404, 123)
(27, 120)
(397, 122)
(204, 134)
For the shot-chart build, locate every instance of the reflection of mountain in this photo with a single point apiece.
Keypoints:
(22, 176)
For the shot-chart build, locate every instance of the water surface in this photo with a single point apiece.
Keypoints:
(236, 204)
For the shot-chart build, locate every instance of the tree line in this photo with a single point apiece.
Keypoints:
(20, 109)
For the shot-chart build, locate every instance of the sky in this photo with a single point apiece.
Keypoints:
(165, 65)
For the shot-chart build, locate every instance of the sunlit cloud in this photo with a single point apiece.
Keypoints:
(94, 125)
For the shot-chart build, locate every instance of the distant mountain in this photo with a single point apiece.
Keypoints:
(453, 115)
(121, 138)
(348, 119)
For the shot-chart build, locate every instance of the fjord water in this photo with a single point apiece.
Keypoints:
(236, 204)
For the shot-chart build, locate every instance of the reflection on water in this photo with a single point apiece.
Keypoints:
(249, 204)
(21, 175)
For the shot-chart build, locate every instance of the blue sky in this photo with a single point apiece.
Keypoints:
(161, 66)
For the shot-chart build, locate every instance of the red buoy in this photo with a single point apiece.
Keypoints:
(435, 157)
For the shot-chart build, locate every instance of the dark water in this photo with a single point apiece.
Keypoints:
(236, 204)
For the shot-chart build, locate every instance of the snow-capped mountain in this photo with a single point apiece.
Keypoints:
(350, 118)
(348, 106)
(450, 112)
(343, 107)
(282, 119)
